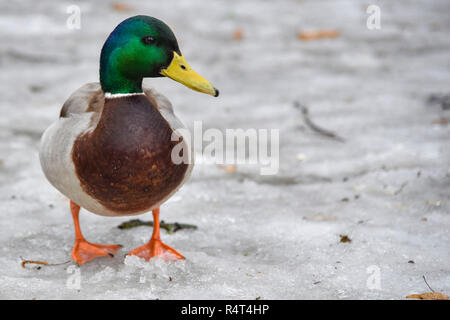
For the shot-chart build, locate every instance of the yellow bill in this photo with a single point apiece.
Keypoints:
(180, 71)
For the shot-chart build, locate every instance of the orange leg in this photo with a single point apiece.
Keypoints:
(84, 251)
(155, 247)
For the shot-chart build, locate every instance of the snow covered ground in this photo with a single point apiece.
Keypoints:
(387, 186)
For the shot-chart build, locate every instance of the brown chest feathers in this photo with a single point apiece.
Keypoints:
(125, 162)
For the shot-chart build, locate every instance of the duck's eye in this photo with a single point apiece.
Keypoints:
(148, 40)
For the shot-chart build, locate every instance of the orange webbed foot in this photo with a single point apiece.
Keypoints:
(156, 248)
(84, 251)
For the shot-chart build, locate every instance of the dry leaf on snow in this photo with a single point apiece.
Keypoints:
(238, 34)
(229, 168)
(442, 121)
(429, 296)
(121, 6)
(318, 34)
(345, 238)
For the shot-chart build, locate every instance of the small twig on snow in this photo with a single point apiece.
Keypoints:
(313, 126)
(169, 227)
(401, 188)
(427, 284)
(44, 263)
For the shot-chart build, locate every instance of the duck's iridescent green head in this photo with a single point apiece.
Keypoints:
(142, 47)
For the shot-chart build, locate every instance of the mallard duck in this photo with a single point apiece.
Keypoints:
(110, 151)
